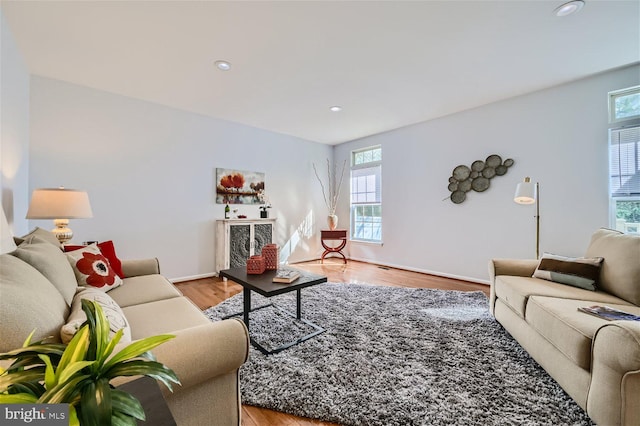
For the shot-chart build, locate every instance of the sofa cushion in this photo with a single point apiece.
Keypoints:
(566, 328)
(515, 291)
(111, 310)
(144, 289)
(620, 274)
(559, 321)
(48, 236)
(28, 301)
(574, 271)
(163, 316)
(51, 263)
(93, 269)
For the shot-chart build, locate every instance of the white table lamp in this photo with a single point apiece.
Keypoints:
(59, 204)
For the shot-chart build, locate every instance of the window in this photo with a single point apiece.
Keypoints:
(624, 104)
(366, 201)
(624, 168)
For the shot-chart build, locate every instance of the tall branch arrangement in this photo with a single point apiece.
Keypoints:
(333, 194)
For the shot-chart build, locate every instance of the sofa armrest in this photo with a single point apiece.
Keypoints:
(514, 267)
(138, 267)
(615, 374)
(205, 351)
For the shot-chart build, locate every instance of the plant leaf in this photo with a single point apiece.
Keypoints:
(9, 378)
(49, 372)
(63, 392)
(73, 369)
(33, 388)
(120, 419)
(95, 403)
(111, 346)
(89, 310)
(101, 332)
(73, 416)
(27, 341)
(127, 404)
(76, 349)
(17, 398)
(50, 349)
(140, 367)
(137, 348)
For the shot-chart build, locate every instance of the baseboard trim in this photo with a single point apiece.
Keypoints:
(193, 277)
(390, 265)
(424, 271)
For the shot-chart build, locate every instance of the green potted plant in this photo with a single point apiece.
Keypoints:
(80, 373)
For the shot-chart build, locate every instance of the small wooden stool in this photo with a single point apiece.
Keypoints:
(335, 235)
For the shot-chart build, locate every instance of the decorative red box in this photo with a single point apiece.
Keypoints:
(255, 265)
(270, 254)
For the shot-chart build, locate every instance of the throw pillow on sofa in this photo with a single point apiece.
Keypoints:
(28, 302)
(111, 310)
(620, 273)
(48, 236)
(108, 250)
(50, 262)
(93, 269)
(577, 272)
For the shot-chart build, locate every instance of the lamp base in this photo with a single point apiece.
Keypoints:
(63, 233)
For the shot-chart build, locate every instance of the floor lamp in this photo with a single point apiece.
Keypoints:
(529, 193)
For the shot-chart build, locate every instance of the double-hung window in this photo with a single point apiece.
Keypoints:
(624, 160)
(366, 200)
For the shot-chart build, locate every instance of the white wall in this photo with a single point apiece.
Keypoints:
(14, 131)
(557, 136)
(150, 174)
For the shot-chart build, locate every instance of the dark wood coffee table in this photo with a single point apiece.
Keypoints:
(263, 284)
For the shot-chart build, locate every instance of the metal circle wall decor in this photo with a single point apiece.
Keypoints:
(477, 166)
(477, 177)
(461, 173)
(458, 196)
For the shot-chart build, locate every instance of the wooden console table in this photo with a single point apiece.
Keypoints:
(335, 235)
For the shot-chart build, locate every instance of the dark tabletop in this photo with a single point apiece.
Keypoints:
(263, 284)
(148, 392)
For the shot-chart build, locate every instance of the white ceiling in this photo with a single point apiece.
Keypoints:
(387, 63)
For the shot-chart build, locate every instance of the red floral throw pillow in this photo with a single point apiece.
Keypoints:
(108, 250)
(93, 269)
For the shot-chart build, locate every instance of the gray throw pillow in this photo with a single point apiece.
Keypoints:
(51, 262)
(574, 271)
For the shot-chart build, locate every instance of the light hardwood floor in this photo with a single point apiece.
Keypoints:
(209, 292)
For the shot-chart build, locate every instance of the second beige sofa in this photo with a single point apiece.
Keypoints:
(597, 362)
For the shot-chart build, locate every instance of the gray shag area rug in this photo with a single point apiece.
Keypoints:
(396, 356)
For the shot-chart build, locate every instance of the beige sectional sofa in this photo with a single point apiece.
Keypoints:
(597, 362)
(35, 293)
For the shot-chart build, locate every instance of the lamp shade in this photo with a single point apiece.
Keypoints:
(525, 192)
(59, 203)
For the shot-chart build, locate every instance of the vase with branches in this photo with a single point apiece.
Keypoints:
(331, 192)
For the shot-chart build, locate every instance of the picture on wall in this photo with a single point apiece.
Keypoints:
(238, 186)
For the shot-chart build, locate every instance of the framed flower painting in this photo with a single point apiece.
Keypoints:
(238, 186)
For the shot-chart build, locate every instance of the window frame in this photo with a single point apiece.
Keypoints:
(613, 96)
(614, 199)
(353, 206)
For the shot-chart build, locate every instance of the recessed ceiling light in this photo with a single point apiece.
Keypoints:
(335, 108)
(569, 8)
(223, 65)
